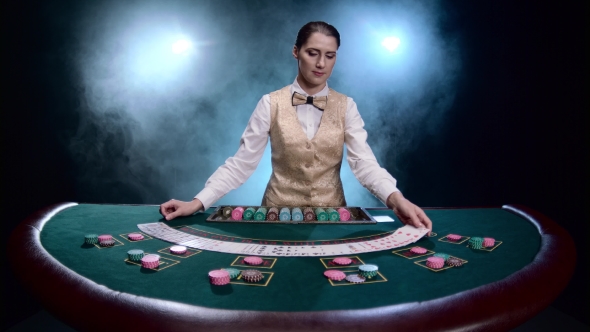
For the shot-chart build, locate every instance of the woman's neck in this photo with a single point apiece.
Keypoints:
(308, 88)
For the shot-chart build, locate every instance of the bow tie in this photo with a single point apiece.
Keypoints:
(319, 102)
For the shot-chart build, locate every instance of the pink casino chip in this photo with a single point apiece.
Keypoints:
(237, 213)
(253, 260)
(488, 242)
(344, 214)
(435, 262)
(178, 250)
(150, 261)
(342, 260)
(334, 275)
(219, 277)
(454, 237)
(105, 237)
(135, 236)
(418, 250)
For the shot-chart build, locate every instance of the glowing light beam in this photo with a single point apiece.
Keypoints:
(391, 43)
(181, 46)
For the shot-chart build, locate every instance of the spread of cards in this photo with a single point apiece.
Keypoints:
(398, 238)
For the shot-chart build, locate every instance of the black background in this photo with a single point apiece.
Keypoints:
(517, 132)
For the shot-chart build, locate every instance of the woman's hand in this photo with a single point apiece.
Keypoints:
(408, 212)
(174, 208)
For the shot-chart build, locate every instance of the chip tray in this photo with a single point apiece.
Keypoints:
(358, 215)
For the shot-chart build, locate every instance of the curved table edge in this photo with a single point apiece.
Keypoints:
(501, 305)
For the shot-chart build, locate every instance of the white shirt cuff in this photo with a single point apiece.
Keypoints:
(207, 197)
(385, 189)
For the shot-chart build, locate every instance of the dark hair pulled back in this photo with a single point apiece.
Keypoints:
(318, 26)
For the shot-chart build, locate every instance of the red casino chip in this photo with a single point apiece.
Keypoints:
(488, 242)
(342, 260)
(454, 237)
(253, 260)
(105, 237)
(135, 236)
(334, 275)
(219, 277)
(418, 250)
(435, 262)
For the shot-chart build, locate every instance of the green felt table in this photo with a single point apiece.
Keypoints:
(292, 284)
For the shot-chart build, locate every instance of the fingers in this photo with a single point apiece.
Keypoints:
(423, 219)
(167, 208)
(173, 215)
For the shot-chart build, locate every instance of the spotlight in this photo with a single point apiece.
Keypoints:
(390, 43)
(181, 46)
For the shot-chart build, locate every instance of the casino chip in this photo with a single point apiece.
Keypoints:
(285, 214)
(237, 213)
(296, 214)
(488, 242)
(253, 260)
(233, 273)
(104, 237)
(368, 270)
(273, 214)
(342, 260)
(150, 261)
(252, 275)
(435, 262)
(333, 214)
(178, 250)
(135, 236)
(249, 213)
(454, 237)
(107, 243)
(226, 212)
(453, 261)
(321, 214)
(344, 214)
(442, 255)
(476, 242)
(334, 275)
(219, 277)
(91, 239)
(355, 279)
(418, 250)
(135, 255)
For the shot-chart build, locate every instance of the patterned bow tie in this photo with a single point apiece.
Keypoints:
(319, 102)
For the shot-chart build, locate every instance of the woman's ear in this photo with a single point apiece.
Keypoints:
(295, 52)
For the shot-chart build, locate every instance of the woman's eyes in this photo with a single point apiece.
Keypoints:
(327, 56)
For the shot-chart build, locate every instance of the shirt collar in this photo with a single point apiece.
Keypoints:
(295, 87)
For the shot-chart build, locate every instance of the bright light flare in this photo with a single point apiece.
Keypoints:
(181, 46)
(391, 43)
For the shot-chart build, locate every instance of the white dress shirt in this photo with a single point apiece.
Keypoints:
(239, 168)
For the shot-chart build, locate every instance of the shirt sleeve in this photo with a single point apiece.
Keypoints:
(237, 169)
(361, 159)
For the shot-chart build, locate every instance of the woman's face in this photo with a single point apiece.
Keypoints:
(316, 60)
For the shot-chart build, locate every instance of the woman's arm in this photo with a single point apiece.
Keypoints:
(235, 171)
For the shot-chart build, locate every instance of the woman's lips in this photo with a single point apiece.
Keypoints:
(318, 74)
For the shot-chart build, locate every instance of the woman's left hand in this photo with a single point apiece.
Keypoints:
(408, 212)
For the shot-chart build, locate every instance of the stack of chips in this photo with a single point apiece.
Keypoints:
(233, 273)
(418, 250)
(344, 214)
(334, 275)
(442, 255)
(178, 250)
(476, 242)
(368, 270)
(453, 237)
(308, 214)
(296, 214)
(91, 239)
(226, 212)
(249, 213)
(253, 260)
(135, 236)
(285, 214)
(150, 261)
(435, 262)
(135, 255)
(355, 278)
(237, 213)
(333, 215)
(488, 242)
(321, 214)
(260, 214)
(273, 214)
(342, 261)
(106, 240)
(453, 261)
(219, 277)
(252, 275)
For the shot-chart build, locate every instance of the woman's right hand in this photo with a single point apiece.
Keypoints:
(174, 208)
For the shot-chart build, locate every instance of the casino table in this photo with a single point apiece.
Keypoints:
(94, 288)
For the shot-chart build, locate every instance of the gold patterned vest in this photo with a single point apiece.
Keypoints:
(305, 172)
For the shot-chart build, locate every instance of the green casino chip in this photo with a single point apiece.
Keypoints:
(91, 239)
(321, 214)
(333, 215)
(249, 213)
(260, 215)
(135, 255)
(442, 255)
(476, 242)
(233, 273)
